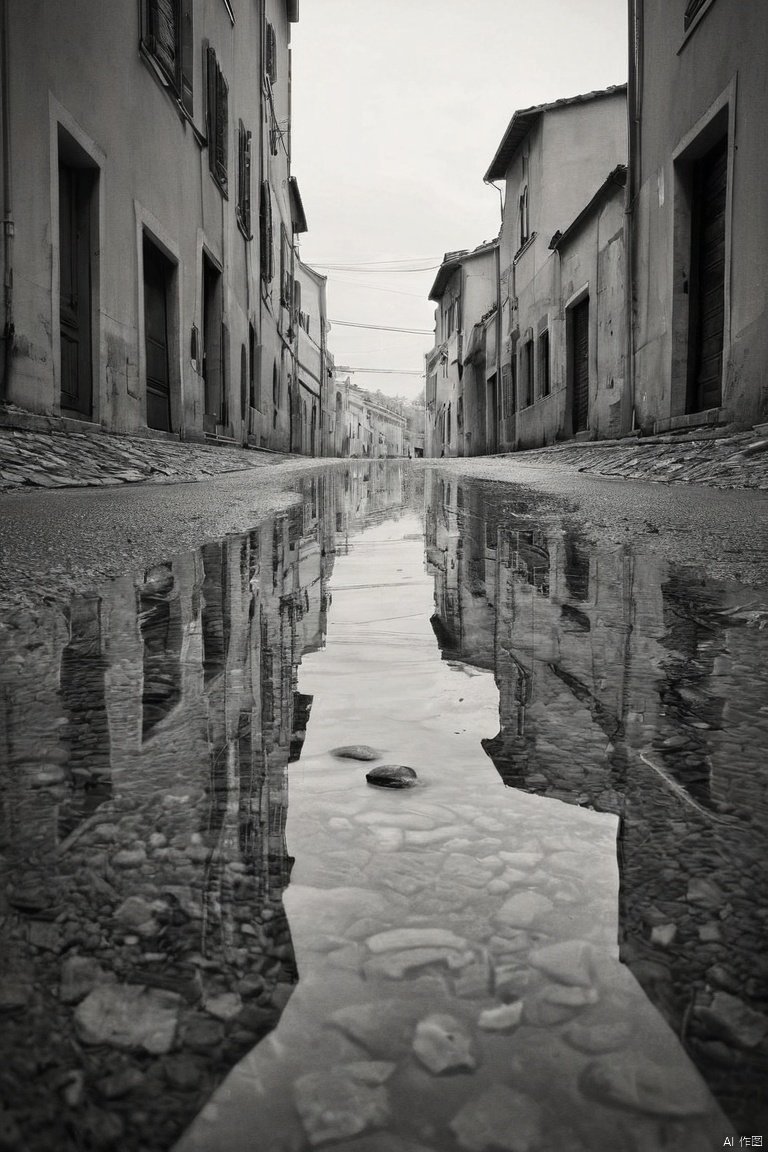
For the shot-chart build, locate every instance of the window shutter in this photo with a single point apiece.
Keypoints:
(210, 107)
(163, 22)
(271, 54)
(187, 43)
(691, 11)
(266, 240)
(222, 135)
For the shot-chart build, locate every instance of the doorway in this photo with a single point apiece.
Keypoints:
(158, 273)
(707, 316)
(580, 366)
(76, 227)
(213, 390)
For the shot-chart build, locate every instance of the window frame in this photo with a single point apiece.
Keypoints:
(266, 234)
(544, 350)
(217, 120)
(244, 180)
(175, 75)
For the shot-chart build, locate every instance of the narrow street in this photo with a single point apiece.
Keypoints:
(213, 926)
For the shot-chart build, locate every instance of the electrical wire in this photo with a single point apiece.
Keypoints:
(383, 327)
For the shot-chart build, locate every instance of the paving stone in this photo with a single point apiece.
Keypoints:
(383, 1027)
(632, 1081)
(569, 961)
(735, 1021)
(523, 909)
(128, 1016)
(500, 1120)
(340, 1103)
(397, 939)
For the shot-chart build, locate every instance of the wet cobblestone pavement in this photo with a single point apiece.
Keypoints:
(211, 923)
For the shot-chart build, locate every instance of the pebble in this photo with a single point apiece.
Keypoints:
(129, 857)
(224, 1006)
(396, 965)
(500, 1120)
(502, 1019)
(120, 1083)
(355, 752)
(79, 975)
(596, 1039)
(383, 1027)
(392, 776)
(442, 1044)
(663, 934)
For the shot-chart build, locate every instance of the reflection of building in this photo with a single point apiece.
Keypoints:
(364, 423)
(615, 676)
(147, 733)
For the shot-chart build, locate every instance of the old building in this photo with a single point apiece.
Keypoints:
(561, 293)
(311, 359)
(698, 105)
(150, 216)
(462, 367)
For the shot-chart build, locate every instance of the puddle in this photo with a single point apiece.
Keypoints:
(556, 940)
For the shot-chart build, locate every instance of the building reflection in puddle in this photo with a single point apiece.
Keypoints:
(147, 732)
(633, 688)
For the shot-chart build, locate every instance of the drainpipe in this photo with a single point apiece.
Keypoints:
(498, 343)
(633, 140)
(8, 227)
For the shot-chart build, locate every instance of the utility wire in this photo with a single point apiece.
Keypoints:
(376, 288)
(375, 271)
(380, 371)
(383, 327)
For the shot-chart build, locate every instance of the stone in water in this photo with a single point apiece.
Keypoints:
(355, 752)
(392, 776)
(442, 1045)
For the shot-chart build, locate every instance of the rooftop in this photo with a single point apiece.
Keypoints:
(525, 118)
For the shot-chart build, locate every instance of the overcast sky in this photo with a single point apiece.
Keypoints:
(398, 109)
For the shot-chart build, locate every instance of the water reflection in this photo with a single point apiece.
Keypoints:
(146, 733)
(630, 687)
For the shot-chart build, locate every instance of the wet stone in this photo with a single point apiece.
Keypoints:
(396, 965)
(15, 993)
(342, 1102)
(383, 1027)
(442, 1044)
(523, 909)
(355, 752)
(128, 1016)
(400, 938)
(130, 857)
(392, 776)
(704, 892)
(225, 1006)
(596, 1039)
(632, 1081)
(663, 934)
(569, 962)
(121, 1083)
(79, 976)
(502, 1019)
(201, 1035)
(734, 1021)
(138, 915)
(500, 1120)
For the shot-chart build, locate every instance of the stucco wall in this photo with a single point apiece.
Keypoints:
(722, 61)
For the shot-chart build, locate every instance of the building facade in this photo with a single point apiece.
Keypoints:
(311, 360)
(150, 217)
(698, 103)
(561, 269)
(462, 367)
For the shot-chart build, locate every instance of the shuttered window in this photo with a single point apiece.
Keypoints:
(217, 120)
(270, 53)
(266, 244)
(167, 36)
(286, 269)
(243, 210)
(692, 10)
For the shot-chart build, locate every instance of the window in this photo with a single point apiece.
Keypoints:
(526, 373)
(297, 303)
(691, 12)
(286, 277)
(266, 242)
(544, 373)
(166, 37)
(217, 110)
(243, 210)
(270, 54)
(523, 212)
(254, 369)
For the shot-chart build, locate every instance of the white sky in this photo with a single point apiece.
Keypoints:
(398, 109)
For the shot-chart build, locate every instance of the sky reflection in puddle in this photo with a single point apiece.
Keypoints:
(156, 776)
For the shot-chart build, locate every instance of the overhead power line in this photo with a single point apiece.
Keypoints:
(384, 327)
(375, 271)
(366, 263)
(380, 371)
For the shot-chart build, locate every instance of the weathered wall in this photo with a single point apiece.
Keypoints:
(683, 81)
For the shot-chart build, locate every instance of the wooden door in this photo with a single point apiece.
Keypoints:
(708, 270)
(580, 365)
(156, 275)
(75, 186)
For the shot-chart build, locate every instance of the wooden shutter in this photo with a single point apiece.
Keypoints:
(222, 134)
(694, 7)
(162, 22)
(266, 243)
(187, 45)
(244, 179)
